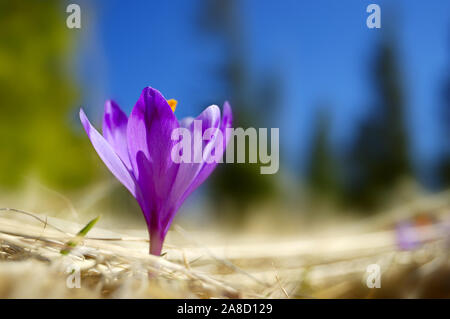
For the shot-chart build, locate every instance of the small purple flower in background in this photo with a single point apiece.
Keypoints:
(407, 235)
(137, 150)
(444, 228)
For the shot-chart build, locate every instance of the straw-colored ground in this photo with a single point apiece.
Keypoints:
(113, 264)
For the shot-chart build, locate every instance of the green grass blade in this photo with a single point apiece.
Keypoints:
(83, 232)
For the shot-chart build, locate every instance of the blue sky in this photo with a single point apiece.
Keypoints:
(320, 49)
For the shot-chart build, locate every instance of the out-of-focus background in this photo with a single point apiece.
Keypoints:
(363, 114)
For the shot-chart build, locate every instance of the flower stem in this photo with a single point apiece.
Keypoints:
(156, 243)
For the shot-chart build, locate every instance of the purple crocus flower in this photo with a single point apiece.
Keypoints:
(137, 150)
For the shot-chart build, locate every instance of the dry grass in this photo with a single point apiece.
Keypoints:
(115, 264)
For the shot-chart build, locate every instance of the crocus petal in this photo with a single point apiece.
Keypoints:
(115, 130)
(186, 122)
(208, 168)
(191, 176)
(108, 155)
(149, 131)
(210, 118)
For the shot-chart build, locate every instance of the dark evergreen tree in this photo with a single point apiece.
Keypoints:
(322, 174)
(444, 160)
(239, 184)
(380, 153)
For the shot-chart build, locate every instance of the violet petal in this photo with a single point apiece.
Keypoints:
(108, 155)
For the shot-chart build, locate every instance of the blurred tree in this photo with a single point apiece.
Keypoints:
(36, 96)
(239, 185)
(444, 161)
(380, 154)
(322, 178)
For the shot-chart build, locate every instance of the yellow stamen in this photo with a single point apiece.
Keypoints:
(173, 104)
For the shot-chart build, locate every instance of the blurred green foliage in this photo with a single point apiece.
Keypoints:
(37, 94)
